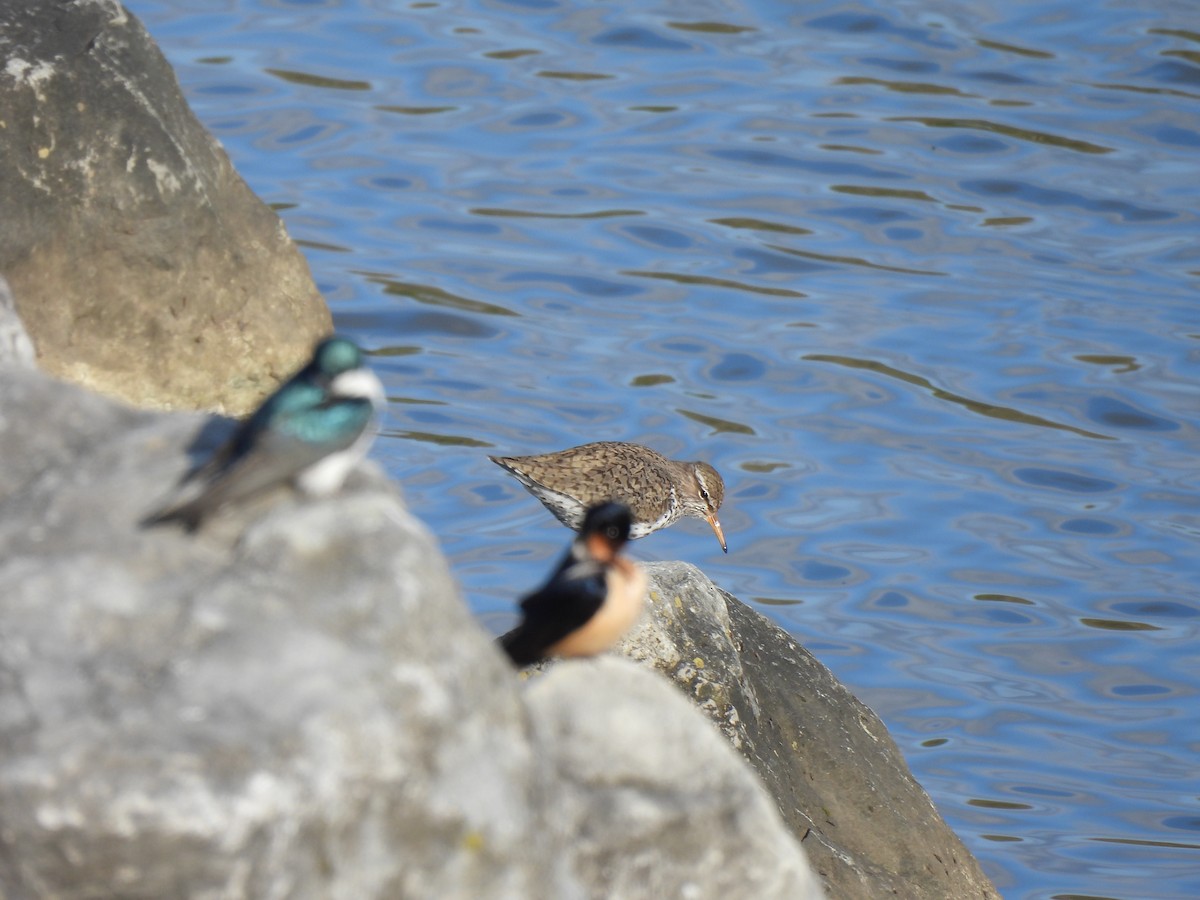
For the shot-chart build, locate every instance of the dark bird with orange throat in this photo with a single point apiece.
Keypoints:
(590, 601)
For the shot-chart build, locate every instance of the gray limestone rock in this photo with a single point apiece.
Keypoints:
(15, 346)
(293, 702)
(615, 765)
(142, 264)
(840, 781)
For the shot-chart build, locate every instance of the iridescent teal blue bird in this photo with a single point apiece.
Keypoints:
(310, 433)
(590, 601)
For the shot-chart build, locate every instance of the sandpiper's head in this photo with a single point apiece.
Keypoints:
(704, 496)
(605, 530)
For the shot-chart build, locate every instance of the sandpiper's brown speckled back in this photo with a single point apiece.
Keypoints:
(657, 490)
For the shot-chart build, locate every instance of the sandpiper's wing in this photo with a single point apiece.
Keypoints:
(569, 481)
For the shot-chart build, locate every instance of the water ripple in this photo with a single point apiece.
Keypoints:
(920, 280)
(976, 406)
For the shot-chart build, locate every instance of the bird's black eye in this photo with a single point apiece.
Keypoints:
(613, 532)
(704, 495)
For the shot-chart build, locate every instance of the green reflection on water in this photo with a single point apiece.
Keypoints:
(651, 380)
(424, 293)
(320, 81)
(416, 110)
(1118, 364)
(1022, 134)
(904, 87)
(428, 437)
(1117, 625)
(532, 214)
(1010, 48)
(855, 260)
(760, 225)
(711, 27)
(717, 425)
(574, 76)
(715, 282)
(1003, 598)
(991, 410)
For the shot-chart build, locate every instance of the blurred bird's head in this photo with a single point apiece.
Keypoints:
(605, 530)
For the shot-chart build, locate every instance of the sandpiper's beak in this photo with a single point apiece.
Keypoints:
(716, 527)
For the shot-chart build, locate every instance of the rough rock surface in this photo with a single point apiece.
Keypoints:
(294, 703)
(15, 346)
(841, 783)
(644, 792)
(142, 264)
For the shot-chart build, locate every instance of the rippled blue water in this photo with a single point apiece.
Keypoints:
(919, 278)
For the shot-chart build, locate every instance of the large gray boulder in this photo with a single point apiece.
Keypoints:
(143, 265)
(840, 781)
(294, 702)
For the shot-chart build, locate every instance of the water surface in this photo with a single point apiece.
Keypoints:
(919, 278)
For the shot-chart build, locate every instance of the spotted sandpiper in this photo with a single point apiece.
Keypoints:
(590, 601)
(658, 491)
(311, 432)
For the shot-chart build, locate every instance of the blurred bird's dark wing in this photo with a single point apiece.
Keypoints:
(563, 605)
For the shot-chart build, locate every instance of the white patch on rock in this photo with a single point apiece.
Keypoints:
(15, 346)
(164, 177)
(85, 164)
(24, 72)
(54, 817)
(430, 697)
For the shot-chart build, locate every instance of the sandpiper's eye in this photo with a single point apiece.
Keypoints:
(704, 495)
(613, 532)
